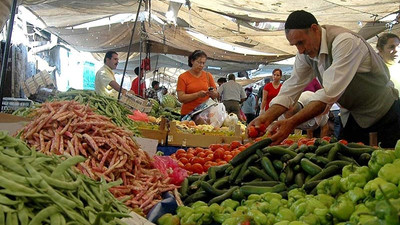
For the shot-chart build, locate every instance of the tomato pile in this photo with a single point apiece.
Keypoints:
(198, 160)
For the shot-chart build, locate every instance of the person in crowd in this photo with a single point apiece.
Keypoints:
(248, 106)
(105, 83)
(271, 89)
(259, 96)
(313, 86)
(135, 84)
(352, 74)
(195, 86)
(221, 80)
(387, 48)
(232, 94)
(152, 92)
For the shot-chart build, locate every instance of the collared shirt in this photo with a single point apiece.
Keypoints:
(101, 83)
(231, 91)
(350, 55)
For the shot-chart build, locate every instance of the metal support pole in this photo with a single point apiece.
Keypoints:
(140, 65)
(129, 49)
(7, 50)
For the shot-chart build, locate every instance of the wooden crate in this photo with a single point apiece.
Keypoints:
(160, 134)
(176, 138)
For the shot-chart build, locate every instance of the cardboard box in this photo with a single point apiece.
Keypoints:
(176, 138)
(12, 123)
(148, 145)
(160, 135)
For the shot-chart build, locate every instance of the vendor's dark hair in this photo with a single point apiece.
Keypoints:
(154, 83)
(280, 71)
(136, 70)
(195, 55)
(383, 39)
(221, 80)
(299, 19)
(109, 55)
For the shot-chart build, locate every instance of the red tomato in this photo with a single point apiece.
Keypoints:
(219, 153)
(287, 142)
(246, 222)
(183, 160)
(228, 158)
(252, 132)
(222, 162)
(310, 142)
(235, 152)
(326, 138)
(226, 147)
(197, 160)
(181, 165)
(189, 156)
(197, 168)
(217, 160)
(247, 145)
(201, 154)
(198, 150)
(241, 148)
(173, 155)
(235, 144)
(188, 166)
(214, 147)
(262, 128)
(208, 151)
(343, 142)
(206, 166)
(180, 151)
(209, 157)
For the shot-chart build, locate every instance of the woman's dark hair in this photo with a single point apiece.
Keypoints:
(280, 71)
(383, 39)
(195, 55)
(109, 55)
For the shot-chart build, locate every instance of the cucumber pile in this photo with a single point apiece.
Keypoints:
(262, 168)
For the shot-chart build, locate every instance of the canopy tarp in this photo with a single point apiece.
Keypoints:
(229, 21)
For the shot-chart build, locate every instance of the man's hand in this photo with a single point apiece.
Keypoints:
(280, 130)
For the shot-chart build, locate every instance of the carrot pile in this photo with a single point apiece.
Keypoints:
(70, 128)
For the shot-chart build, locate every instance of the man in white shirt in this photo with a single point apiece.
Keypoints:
(105, 83)
(352, 74)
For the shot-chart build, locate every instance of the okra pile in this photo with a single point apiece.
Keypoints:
(262, 168)
(40, 189)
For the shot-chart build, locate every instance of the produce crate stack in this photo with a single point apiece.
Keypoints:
(135, 102)
(12, 104)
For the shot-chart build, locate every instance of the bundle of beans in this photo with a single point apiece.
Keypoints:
(102, 105)
(40, 189)
(70, 128)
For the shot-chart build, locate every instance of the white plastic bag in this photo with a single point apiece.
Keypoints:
(214, 115)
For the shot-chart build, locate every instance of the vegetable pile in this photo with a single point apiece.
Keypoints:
(69, 128)
(41, 189)
(261, 168)
(102, 105)
(198, 160)
(365, 194)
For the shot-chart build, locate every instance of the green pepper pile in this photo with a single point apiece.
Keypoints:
(39, 189)
(353, 194)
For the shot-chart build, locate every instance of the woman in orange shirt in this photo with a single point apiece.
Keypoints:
(195, 86)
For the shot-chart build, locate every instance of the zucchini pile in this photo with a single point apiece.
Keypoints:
(262, 168)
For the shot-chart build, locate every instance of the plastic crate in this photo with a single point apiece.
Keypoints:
(11, 104)
(134, 102)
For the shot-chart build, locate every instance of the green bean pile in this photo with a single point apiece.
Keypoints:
(103, 105)
(40, 189)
